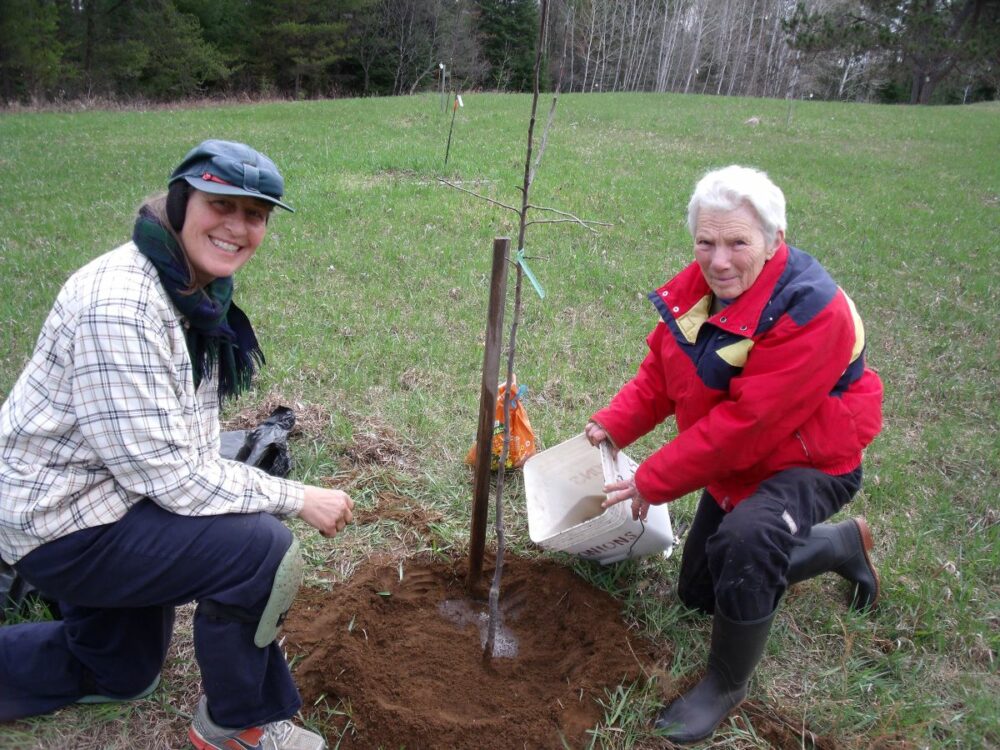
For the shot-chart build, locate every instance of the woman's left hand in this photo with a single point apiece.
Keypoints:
(595, 433)
(618, 492)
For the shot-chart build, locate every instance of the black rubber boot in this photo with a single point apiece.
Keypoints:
(843, 549)
(736, 649)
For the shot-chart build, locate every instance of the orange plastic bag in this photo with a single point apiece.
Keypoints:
(522, 437)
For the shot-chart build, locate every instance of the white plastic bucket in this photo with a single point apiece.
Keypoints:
(564, 488)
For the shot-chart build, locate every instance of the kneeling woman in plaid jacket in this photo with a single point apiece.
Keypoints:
(114, 499)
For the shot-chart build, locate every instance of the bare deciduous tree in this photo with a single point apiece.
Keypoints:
(732, 47)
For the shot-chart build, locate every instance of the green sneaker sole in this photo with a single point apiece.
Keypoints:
(94, 699)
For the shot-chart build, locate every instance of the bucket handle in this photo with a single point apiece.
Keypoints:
(610, 467)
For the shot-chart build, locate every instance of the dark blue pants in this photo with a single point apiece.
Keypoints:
(117, 586)
(737, 562)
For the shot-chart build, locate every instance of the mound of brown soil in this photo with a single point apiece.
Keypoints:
(397, 651)
(400, 648)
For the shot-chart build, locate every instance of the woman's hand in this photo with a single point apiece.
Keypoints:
(618, 492)
(327, 510)
(595, 433)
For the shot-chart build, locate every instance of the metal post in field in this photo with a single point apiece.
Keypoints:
(454, 111)
(444, 100)
(487, 409)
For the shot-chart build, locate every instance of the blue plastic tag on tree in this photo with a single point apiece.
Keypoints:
(523, 263)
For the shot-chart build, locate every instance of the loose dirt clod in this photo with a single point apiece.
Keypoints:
(392, 507)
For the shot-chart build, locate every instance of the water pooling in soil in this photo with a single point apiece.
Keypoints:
(462, 612)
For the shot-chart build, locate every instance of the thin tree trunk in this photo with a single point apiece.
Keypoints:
(697, 48)
(753, 90)
(571, 35)
(770, 67)
(662, 61)
(590, 45)
(744, 56)
(843, 78)
(494, 598)
(673, 81)
(641, 76)
(621, 45)
(602, 52)
(88, 41)
(727, 30)
(671, 68)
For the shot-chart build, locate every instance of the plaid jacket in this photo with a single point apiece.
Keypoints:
(775, 380)
(105, 414)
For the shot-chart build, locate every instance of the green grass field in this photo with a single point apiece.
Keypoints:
(370, 302)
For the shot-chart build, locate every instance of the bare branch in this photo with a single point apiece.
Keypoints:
(566, 221)
(481, 197)
(585, 223)
(545, 136)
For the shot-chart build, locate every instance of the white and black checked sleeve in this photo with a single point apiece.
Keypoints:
(127, 405)
(106, 413)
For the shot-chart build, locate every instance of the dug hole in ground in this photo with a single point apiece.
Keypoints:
(398, 648)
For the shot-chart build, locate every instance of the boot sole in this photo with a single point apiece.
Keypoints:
(99, 699)
(866, 544)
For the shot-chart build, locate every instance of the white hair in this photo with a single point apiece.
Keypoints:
(730, 187)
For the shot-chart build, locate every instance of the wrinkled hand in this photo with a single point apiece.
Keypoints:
(619, 492)
(327, 510)
(595, 433)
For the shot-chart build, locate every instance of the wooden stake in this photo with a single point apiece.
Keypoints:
(487, 409)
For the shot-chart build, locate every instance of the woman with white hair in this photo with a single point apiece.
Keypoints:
(760, 359)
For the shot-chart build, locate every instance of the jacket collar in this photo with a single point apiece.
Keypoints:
(687, 299)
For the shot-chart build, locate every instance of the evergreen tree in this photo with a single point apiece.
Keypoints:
(30, 53)
(508, 32)
(176, 61)
(297, 44)
(146, 48)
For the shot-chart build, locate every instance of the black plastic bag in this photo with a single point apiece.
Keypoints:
(265, 446)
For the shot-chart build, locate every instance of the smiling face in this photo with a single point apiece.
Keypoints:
(221, 233)
(730, 248)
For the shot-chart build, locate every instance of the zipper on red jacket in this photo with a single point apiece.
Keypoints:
(805, 448)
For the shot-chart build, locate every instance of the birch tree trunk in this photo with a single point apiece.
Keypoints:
(692, 68)
(641, 76)
(727, 29)
(662, 58)
(743, 62)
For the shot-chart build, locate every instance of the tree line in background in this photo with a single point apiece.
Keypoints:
(917, 51)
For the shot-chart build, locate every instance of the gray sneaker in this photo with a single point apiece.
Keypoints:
(205, 734)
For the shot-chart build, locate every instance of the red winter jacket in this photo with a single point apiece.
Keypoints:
(775, 380)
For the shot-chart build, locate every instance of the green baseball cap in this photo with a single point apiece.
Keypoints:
(229, 168)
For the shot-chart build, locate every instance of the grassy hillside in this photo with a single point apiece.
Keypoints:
(370, 302)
